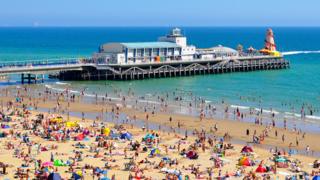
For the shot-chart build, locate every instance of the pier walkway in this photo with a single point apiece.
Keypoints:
(39, 66)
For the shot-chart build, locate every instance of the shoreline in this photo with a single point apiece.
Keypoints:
(309, 123)
(236, 128)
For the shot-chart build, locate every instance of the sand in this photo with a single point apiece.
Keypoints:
(236, 129)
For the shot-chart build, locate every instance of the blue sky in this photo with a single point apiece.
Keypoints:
(159, 13)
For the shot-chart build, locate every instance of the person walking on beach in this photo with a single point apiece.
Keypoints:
(82, 114)
(283, 138)
(51, 157)
(307, 149)
(215, 127)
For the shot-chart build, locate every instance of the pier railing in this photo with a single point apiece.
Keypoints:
(35, 63)
(216, 59)
(67, 61)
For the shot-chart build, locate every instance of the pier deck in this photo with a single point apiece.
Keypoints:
(173, 68)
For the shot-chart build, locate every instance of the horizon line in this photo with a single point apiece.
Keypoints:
(157, 26)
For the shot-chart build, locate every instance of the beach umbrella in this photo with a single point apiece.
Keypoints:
(149, 136)
(246, 149)
(76, 176)
(58, 162)
(80, 137)
(316, 178)
(244, 161)
(54, 176)
(192, 155)
(261, 169)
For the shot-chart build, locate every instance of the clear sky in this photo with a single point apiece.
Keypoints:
(159, 13)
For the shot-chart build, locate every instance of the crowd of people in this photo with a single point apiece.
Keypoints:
(54, 144)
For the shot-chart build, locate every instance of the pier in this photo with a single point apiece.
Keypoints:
(173, 69)
(76, 69)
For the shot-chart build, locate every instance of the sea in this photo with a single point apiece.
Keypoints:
(285, 91)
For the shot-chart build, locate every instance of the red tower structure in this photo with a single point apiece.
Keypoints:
(269, 41)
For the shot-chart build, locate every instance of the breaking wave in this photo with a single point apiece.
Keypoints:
(288, 53)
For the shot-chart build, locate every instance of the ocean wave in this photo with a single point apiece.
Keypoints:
(76, 92)
(313, 117)
(288, 53)
(239, 107)
(293, 114)
(62, 83)
(267, 111)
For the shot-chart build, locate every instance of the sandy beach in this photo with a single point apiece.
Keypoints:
(180, 147)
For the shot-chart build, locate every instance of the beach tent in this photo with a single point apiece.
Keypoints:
(148, 136)
(76, 176)
(316, 177)
(70, 124)
(244, 161)
(79, 137)
(261, 169)
(56, 120)
(246, 149)
(192, 155)
(126, 135)
(155, 151)
(54, 176)
(58, 162)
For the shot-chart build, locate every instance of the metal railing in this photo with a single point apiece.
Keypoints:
(37, 63)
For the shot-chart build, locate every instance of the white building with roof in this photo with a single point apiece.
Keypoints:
(141, 52)
(168, 48)
(216, 52)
